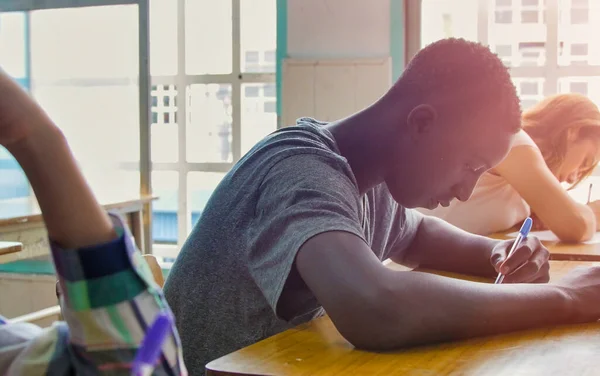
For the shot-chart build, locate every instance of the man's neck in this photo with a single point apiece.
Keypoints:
(361, 139)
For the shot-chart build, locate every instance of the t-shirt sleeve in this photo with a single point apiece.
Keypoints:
(301, 196)
(408, 231)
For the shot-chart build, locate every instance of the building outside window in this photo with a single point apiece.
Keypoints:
(550, 46)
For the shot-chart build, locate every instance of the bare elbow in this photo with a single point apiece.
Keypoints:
(377, 327)
(581, 228)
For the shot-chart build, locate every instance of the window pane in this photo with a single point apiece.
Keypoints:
(163, 127)
(12, 44)
(503, 16)
(208, 42)
(84, 74)
(578, 41)
(530, 90)
(164, 210)
(521, 27)
(443, 19)
(504, 52)
(125, 185)
(13, 182)
(200, 187)
(163, 37)
(529, 16)
(258, 22)
(589, 86)
(259, 117)
(579, 16)
(209, 123)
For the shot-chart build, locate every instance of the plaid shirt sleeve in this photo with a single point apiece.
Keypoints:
(108, 300)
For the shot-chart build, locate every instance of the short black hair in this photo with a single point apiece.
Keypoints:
(464, 77)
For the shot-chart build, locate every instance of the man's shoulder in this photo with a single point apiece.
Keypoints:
(300, 150)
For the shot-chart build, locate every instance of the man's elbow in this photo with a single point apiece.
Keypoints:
(378, 326)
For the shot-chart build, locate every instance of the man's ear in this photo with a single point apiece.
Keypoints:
(421, 120)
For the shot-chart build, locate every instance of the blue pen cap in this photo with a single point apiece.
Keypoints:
(151, 346)
(526, 227)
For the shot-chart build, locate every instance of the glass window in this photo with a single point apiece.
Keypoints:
(258, 22)
(530, 90)
(164, 210)
(579, 16)
(209, 123)
(530, 16)
(579, 87)
(504, 52)
(84, 64)
(443, 19)
(589, 86)
(13, 182)
(13, 44)
(163, 37)
(208, 36)
(580, 36)
(503, 16)
(269, 90)
(164, 129)
(200, 187)
(579, 49)
(259, 117)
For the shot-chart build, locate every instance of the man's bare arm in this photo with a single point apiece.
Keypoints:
(374, 307)
(439, 245)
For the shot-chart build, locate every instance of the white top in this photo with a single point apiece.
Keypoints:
(494, 205)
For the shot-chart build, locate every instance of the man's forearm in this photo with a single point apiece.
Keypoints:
(441, 246)
(426, 308)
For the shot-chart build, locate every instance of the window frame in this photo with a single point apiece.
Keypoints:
(144, 165)
(181, 80)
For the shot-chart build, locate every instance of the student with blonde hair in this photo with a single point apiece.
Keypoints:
(559, 143)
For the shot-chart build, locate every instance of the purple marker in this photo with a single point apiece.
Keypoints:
(150, 350)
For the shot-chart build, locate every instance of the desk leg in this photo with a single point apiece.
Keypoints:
(137, 230)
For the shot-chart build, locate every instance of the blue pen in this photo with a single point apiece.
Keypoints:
(150, 349)
(523, 232)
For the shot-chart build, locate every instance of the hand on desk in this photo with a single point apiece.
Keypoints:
(528, 264)
(595, 206)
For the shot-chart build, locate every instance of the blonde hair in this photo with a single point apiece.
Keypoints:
(558, 119)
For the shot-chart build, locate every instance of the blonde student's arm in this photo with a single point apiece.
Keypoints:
(525, 169)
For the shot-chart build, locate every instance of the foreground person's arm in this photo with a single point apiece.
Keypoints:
(108, 295)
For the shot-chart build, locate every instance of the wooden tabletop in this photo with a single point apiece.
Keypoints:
(10, 247)
(316, 348)
(564, 251)
(26, 209)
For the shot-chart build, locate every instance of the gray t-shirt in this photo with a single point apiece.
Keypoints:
(226, 288)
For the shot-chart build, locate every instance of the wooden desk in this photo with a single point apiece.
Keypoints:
(565, 251)
(316, 348)
(21, 221)
(10, 247)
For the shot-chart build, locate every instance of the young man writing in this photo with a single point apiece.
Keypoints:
(301, 224)
(108, 295)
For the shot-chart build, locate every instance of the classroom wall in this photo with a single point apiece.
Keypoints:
(340, 30)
